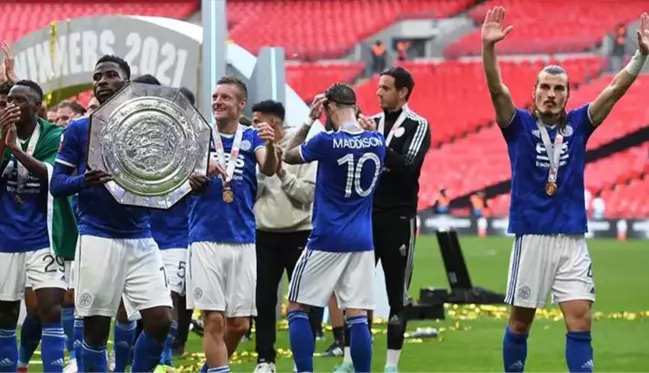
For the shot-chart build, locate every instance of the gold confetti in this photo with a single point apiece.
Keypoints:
(456, 313)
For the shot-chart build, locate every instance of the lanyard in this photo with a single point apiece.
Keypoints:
(400, 119)
(553, 151)
(230, 165)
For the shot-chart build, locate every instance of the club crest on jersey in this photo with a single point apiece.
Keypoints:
(245, 145)
(567, 131)
(399, 132)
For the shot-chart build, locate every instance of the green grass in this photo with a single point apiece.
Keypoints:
(472, 342)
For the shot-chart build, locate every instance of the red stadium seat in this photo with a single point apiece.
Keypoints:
(311, 29)
(481, 159)
(551, 26)
(20, 18)
(309, 79)
(453, 97)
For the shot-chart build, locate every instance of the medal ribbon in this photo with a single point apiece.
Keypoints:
(397, 124)
(22, 172)
(234, 152)
(553, 151)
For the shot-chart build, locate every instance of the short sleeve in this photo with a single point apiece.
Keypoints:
(257, 142)
(315, 148)
(510, 133)
(579, 119)
(70, 149)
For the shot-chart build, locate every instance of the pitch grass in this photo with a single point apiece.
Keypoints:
(471, 338)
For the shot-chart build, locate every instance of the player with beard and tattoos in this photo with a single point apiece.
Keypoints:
(407, 139)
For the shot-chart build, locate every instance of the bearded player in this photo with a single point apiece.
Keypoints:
(339, 256)
(116, 246)
(547, 151)
(222, 255)
(31, 226)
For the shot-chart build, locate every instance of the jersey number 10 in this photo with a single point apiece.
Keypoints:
(355, 171)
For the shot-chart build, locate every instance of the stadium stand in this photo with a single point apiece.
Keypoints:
(483, 155)
(20, 18)
(443, 90)
(621, 178)
(450, 94)
(579, 28)
(308, 79)
(313, 35)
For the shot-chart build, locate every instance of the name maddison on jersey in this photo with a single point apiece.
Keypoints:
(542, 159)
(357, 143)
(238, 167)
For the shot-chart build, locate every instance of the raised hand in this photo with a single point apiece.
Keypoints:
(10, 116)
(643, 34)
(10, 137)
(492, 28)
(9, 62)
(266, 132)
(316, 106)
(366, 123)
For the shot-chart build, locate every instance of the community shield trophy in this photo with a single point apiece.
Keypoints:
(151, 139)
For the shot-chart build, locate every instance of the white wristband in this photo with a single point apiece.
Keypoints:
(309, 122)
(635, 66)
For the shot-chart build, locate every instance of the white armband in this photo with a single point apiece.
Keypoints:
(309, 122)
(635, 66)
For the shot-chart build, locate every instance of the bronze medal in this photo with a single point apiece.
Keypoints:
(228, 196)
(550, 188)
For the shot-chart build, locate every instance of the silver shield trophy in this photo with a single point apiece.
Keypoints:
(151, 139)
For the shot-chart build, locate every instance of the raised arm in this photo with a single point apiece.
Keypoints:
(292, 154)
(9, 63)
(604, 103)
(492, 33)
(266, 156)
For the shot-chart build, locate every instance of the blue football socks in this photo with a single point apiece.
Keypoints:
(514, 351)
(302, 343)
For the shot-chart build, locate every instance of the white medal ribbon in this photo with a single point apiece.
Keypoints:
(553, 151)
(21, 170)
(402, 117)
(234, 152)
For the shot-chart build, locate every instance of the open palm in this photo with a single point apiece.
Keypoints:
(643, 34)
(492, 28)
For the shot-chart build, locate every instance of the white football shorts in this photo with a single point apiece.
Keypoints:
(318, 274)
(107, 268)
(540, 264)
(175, 261)
(222, 277)
(36, 269)
(69, 273)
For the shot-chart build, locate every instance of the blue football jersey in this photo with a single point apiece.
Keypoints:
(349, 167)
(213, 220)
(23, 221)
(170, 228)
(99, 214)
(532, 211)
